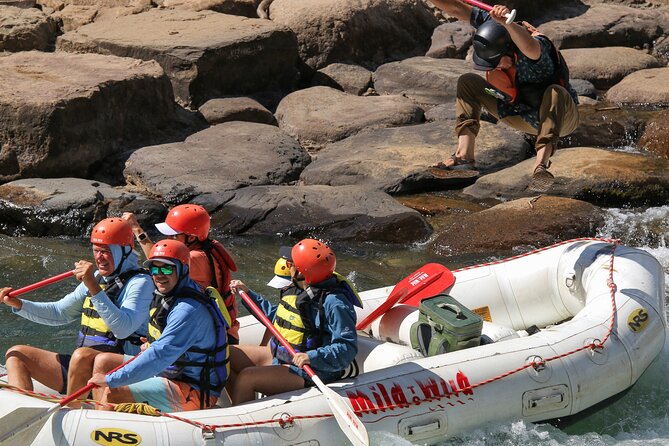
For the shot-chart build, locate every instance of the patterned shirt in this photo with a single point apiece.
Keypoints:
(528, 71)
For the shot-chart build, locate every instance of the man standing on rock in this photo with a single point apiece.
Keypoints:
(526, 86)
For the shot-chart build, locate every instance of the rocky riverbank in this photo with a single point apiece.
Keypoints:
(321, 118)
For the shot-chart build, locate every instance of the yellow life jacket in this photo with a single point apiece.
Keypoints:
(217, 358)
(93, 331)
(293, 318)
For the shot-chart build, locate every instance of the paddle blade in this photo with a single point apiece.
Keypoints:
(430, 287)
(22, 425)
(418, 285)
(348, 421)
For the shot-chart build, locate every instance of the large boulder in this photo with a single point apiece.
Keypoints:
(426, 80)
(245, 8)
(606, 126)
(537, 222)
(25, 29)
(364, 32)
(67, 114)
(65, 206)
(320, 115)
(589, 174)
(348, 78)
(607, 66)
(655, 136)
(608, 25)
(343, 213)
(643, 88)
(221, 158)
(451, 40)
(206, 54)
(217, 111)
(396, 160)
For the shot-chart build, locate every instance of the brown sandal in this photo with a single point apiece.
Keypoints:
(458, 164)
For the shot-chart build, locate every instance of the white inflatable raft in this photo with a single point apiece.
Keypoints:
(554, 372)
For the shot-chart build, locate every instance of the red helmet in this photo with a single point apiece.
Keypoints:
(113, 231)
(170, 250)
(189, 219)
(314, 259)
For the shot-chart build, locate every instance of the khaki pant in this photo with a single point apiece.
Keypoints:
(558, 114)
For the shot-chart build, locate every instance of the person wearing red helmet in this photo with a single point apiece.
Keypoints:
(210, 263)
(112, 304)
(185, 363)
(315, 315)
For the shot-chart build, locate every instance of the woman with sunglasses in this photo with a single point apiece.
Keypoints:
(185, 363)
(112, 303)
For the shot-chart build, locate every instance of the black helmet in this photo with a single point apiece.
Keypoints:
(491, 42)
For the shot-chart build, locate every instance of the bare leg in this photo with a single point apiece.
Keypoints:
(81, 369)
(115, 396)
(244, 356)
(543, 155)
(24, 362)
(268, 380)
(104, 362)
(466, 143)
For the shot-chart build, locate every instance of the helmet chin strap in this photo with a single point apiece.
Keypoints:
(124, 255)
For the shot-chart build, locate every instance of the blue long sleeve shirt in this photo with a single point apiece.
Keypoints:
(340, 339)
(189, 324)
(130, 315)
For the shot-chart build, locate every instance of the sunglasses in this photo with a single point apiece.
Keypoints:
(165, 270)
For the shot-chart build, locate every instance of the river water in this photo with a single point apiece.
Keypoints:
(641, 417)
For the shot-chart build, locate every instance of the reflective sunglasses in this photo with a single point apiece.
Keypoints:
(165, 270)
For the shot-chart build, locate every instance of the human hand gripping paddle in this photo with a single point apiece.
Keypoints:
(349, 423)
(430, 279)
(510, 17)
(22, 425)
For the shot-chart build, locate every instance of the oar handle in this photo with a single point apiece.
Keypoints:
(88, 387)
(510, 17)
(41, 283)
(265, 320)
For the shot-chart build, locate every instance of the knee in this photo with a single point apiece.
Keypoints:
(467, 80)
(104, 362)
(15, 354)
(82, 356)
(555, 92)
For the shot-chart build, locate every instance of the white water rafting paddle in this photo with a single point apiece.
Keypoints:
(510, 17)
(348, 421)
(428, 280)
(21, 426)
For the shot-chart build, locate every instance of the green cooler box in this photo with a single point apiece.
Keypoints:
(445, 325)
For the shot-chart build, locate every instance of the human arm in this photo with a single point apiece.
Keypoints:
(455, 8)
(523, 40)
(267, 307)
(142, 237)
(61, 312)
(133, 311)
(343, 345)
(182, 331)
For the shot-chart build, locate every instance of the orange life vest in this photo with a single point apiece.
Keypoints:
(506, 81)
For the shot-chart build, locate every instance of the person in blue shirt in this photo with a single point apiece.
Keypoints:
(526, 87)
(112, 304)
(184, 365)
(315, 315)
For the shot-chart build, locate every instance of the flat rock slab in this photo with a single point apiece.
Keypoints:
(535, 222)
(396, 160)
(608, 25)
(341, 213)
(319, 115)
(25, 29)
(607, 66)
(606, 126)
(589, 174)
(65, 206)
(643, 88)
(206, 54)
(224, 157)
(364, 32)
(217, 111)
(424, 79)
(62, 113)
